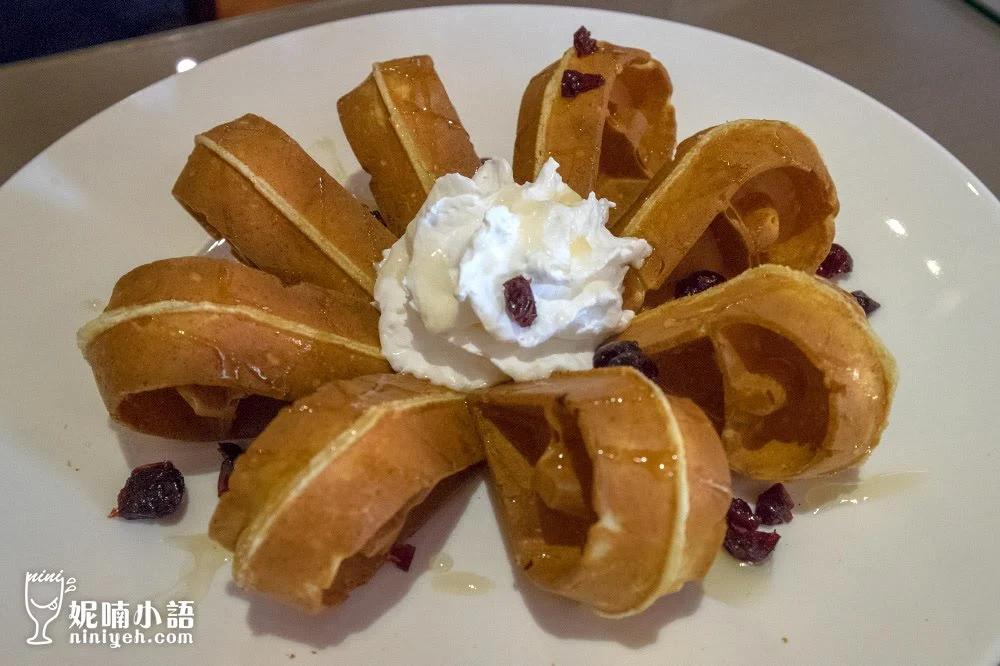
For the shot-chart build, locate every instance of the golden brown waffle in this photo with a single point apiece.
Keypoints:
(608, 491)
(319, 498)
(784, 363)
(737, 195)
(406, 134)
(250, 183)
(610, 140)
(199, 348)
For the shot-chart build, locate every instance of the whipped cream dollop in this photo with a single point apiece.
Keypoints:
(440, 287)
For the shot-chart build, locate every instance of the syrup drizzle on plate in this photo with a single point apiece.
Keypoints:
(207, 557)
(827, 495)
(459, 583)
(735, 582)
(462, 583)
(441, 563)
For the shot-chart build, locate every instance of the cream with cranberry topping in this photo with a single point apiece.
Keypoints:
(440, 288)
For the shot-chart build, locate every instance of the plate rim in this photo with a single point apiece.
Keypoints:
(965, 172)
(460, 8)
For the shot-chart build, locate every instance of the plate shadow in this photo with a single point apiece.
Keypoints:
(189, 457)
(564, 618)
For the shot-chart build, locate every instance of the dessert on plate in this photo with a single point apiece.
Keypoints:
(200, 348)
(406, 134)
(609, 492)
(318, 499)
(250, 183)
(614, 373)
(738, 195)
(604, 113)
(784, 363)
(443, 288)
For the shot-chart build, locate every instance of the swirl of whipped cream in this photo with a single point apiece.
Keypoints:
(440, 287)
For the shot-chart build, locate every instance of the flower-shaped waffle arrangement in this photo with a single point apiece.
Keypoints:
(613, 323)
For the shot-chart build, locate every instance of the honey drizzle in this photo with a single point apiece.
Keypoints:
(441, 563)
(459, 583)
(735, 582)
(207, 557)
(827, 495)
(462, 583)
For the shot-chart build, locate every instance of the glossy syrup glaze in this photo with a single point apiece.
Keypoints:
(441, 563)
(207, 557)
(462, 583)
(734, 582)
(827, 495)
(459, 583)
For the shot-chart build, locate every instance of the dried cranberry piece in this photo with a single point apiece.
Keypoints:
(152, 491)
(740, 515)
(867, 303)
(696, 283)
(401, 554)
(520, 300)
(774, 505)
(607, 351)
(230, 452)
(584, 43)
(639, 361)
(749, 545)
(625, 352)
(574, 82)
(838, 262)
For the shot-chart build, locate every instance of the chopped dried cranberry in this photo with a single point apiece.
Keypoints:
(520, 300)
(741, 515)
(401, 554)
(604, 353)
(743, 540)
(838, 262)
(584, 43)
(230, 452)
(152, 491)
(625, 352)
(774, 505)
(639, 361)
(749, 545)
(574, 82)
(696, 283)
(867, 303)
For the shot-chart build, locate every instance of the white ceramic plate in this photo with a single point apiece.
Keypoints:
(906, 579)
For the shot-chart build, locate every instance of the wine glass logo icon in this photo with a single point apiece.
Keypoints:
(43, 599)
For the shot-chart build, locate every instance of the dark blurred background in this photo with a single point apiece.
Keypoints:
(33, 28)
